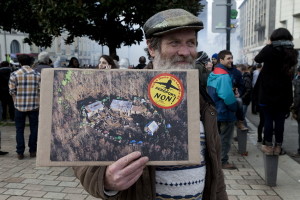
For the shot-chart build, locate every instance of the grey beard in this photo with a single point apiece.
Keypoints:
(160, 63)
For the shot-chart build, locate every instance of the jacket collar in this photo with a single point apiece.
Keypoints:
(219, 65)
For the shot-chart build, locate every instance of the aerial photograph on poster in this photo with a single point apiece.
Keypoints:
(103, 115)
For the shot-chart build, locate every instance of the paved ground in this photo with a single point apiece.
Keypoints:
(22, 180)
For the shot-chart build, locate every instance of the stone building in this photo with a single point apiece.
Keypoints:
(86, 50)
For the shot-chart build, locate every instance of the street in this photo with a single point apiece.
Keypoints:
(23, 180)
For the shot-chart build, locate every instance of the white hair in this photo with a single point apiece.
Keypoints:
(44, 57)
(124, 63)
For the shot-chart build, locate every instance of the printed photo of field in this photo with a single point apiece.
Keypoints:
(102, 115)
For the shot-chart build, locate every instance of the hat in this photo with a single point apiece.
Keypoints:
(202, 58)
(170, 20)
(215, 55)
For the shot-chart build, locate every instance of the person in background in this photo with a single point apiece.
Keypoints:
(256, 73)
(172, 44)
(257, 109)
(74, 63)
(256, 70)
(57, 62)
(24, 87)
(214, 60)
(6, 100)
(275, 92)
(150, 63)
(219, 87)
(209, 66)
(201, 62)
(142, 63)
(106, 62)
(124, 63)
(238, 88)
(296, 107)
(43, 61)
(247, 94)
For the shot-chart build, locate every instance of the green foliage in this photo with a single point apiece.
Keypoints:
(109, 22)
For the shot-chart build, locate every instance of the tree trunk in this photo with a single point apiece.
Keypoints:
(112, 51)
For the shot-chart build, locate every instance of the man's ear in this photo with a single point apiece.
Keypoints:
(150, 49)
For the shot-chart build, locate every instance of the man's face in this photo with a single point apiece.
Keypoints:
(227, 61)
(75, 63)
(214, 61)
(209, 66)
(177, 51)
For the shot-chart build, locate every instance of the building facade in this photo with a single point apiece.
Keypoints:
(259, 18)
(288, 16)
(86, 50)
(257, 22)
(12, 43)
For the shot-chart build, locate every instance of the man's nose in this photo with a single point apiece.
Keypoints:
(184, 50)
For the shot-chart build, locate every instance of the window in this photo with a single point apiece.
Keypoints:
(15, 47)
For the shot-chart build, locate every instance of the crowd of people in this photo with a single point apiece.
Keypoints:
(226, 91)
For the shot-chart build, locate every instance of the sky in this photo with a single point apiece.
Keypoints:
(213, 43)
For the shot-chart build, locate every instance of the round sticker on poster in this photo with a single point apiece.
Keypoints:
(165, 91)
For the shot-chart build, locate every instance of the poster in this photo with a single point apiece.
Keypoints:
(95, 117)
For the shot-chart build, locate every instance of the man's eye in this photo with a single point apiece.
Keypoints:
(174, 43)
(191, 44)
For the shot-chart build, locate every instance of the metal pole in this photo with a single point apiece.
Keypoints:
(228, 28)
(5, 45)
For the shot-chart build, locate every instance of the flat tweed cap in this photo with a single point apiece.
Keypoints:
(170, 20)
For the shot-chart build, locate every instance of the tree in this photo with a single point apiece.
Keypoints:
(109, 22)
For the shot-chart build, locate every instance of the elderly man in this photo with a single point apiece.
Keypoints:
(171, 39)
(43, 61)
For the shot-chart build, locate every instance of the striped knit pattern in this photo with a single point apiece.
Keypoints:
(182, 182)
(24, 85)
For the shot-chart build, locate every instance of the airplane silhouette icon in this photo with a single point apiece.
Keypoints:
(168, 85)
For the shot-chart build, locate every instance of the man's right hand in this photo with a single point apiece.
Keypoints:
(124, 172)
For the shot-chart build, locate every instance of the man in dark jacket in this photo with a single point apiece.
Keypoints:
(172, 44)
(201, 62)
(142, 63)
(5, 98)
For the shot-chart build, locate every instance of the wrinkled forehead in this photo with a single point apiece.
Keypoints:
(181, 34)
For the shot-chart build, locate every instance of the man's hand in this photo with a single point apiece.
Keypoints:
(124, 172)
(236, 93)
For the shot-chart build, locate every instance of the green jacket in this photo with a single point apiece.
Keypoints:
(91, 177)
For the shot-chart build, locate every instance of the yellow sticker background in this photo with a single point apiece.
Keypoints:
(165, 90)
